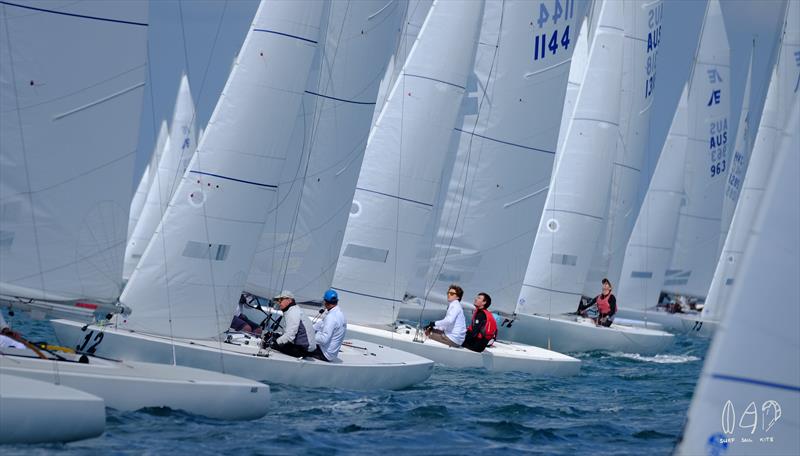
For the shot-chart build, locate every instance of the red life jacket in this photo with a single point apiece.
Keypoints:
(603, 306)
(489, 331)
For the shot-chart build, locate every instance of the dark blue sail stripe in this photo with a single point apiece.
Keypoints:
(394, 196)
(367, 295)
(506, 142)
(753, 381)
(341, 99)
(258, 184)
(435, 80)
(285, 34)
(82, 16)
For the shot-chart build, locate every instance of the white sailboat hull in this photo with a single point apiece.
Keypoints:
(361, 366)
(569, 334)
(136, 385)
(677, 323)
(41, 412)
(500, 357)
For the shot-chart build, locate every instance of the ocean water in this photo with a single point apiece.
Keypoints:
(620, 404)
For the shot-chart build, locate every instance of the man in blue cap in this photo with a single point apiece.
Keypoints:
(330, 330)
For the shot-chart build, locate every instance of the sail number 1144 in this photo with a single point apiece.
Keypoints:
(546, 41)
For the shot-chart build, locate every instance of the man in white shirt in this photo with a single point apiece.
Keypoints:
(298, 334)
(452, 329)
(330, 330)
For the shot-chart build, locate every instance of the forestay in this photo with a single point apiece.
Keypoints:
(391, 215)
(643, 23)
(577, 200)
(505, 146)
(194, 268)
(171, 166)
(746, 402)
(707, 161)
(650, 246)
(302, 238)
(71, 83)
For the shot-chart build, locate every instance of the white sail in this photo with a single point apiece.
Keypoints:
(577, 70)
(707, 161)
(780, 97)
(746, 402)
(137, 203)
(190, 276)
(576, 202)
(643, 20)
(391, 216)
(302, 238)
(171, 167)
(505, 148)
(740, 159)
(64, 188)
(649, 249)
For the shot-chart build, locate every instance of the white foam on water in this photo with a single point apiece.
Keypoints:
(660, 359)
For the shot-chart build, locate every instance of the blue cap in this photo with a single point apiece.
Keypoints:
(331, 296)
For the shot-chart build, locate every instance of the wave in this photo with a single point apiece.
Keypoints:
(660, 359)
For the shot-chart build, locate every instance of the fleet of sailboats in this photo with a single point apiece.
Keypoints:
(388, 150)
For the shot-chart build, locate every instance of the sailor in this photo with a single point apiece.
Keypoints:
(606, 305)
(298, 335)
(330, 329)
(482, 328)
(240, 321)
(452, 329)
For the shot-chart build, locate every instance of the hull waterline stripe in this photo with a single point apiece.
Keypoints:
(258, 184)
(275, 32)
(506, 142)
(394, 196)
(753, 381)
(119, 21)
(341, 99)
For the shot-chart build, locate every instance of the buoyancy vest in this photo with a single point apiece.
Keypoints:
(489, 331)
(603, 305)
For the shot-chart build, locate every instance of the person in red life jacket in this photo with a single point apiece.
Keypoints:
(482, 329)
(606, 305)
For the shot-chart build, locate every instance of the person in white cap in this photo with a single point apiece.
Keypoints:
(298, 335)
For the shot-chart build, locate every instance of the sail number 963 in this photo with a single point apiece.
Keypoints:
(544, 42)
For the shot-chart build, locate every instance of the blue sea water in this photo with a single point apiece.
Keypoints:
(620, 404)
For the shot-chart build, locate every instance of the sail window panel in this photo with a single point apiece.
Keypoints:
(363, 252)
(676, 282)
(641, 274)
(206, 251)
(563, 258)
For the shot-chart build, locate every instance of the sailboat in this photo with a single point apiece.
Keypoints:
(416, 192)
(781, 95)
(746, 402)
(63, 239)
(189, 279)
(170, 167)
(143, 188)
(577, 202)
(41, 412)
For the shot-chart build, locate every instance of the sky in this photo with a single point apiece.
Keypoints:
(202, 37)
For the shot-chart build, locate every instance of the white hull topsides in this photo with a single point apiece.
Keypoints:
(136, 385)
(41, 412)
(678, 323)
(500, 357)
(570, 334)
(361, 365)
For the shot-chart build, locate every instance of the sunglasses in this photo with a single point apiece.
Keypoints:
(451, 293)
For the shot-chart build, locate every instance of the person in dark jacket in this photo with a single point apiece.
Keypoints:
(298, 336)
(482, 329)
(606, 304)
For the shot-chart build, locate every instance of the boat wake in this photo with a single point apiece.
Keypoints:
(660, 359)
